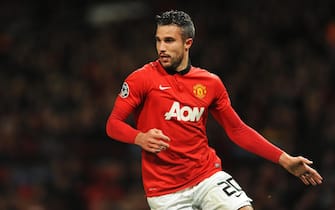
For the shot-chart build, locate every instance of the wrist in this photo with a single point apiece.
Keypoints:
(284, 160)
(138, 138)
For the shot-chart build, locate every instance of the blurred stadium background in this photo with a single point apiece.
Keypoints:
(62, 63)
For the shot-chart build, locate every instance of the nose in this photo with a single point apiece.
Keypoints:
(161, 47)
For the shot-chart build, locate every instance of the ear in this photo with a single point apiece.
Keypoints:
(188, 43)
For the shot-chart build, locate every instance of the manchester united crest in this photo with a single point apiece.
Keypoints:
(199, 90)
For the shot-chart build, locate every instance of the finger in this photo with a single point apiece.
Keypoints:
(304, 179)
(158, 147)
(154, 145)
(158, 131)
(314, 174)
(161, 148)
(312, 181)
(164, 144)
(157, 144)
(317, 178)
(160, 135)
(311, 178)
(153, 150)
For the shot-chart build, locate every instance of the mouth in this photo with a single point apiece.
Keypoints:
(164, 58)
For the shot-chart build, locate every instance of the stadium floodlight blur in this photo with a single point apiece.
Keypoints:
(104, 13)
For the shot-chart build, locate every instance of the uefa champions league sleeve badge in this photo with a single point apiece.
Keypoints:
(124, 93)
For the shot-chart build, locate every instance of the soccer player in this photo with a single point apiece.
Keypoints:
(171, 100)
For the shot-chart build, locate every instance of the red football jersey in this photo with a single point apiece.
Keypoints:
(178, 104)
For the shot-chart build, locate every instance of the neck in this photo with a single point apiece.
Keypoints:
(183, 65)
(180, 70)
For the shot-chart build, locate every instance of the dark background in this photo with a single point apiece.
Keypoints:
(61, 68)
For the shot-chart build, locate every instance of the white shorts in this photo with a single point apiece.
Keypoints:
(218, 192)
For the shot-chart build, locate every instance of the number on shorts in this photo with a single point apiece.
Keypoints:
(230, 187)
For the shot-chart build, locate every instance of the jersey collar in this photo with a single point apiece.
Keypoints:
(182, 72)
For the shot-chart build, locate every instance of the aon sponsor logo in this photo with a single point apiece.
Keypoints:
(184, 113)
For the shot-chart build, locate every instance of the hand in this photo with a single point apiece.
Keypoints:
(152, 141)
(299, 167)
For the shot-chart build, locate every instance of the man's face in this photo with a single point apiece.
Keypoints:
(172, 49)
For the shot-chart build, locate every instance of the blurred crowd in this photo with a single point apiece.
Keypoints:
(60, 74)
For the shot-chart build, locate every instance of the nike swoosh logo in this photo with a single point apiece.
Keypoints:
(163, 87)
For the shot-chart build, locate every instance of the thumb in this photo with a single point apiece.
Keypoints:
(306, 161)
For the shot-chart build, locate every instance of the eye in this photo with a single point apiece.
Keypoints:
(169, 40)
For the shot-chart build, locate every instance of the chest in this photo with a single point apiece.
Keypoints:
(190, 95)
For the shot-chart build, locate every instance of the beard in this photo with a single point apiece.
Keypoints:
(175, 63)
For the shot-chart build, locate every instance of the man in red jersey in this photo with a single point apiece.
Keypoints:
(171, 100)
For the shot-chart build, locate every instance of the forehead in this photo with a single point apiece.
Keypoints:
(168, 31)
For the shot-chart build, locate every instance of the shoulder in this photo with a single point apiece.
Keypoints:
(141, 79)
(142, 76)
(197, 71)
(143, 71)
(211, 80)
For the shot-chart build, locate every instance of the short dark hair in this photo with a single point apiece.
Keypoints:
(179, 18)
